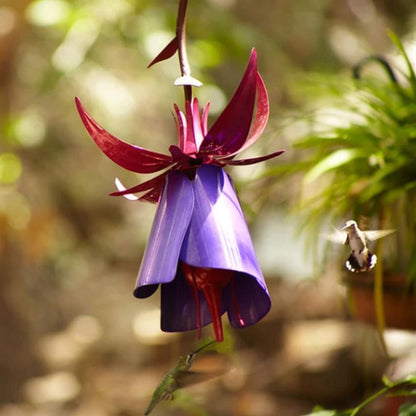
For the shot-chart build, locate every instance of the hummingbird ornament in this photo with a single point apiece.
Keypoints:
(180, 376)
(361, 258)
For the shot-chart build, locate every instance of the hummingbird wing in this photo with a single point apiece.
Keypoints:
(189, 378)
(372, 235)
(186, 378)
(337, 236)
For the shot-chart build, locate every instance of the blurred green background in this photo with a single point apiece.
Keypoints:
(73, 340)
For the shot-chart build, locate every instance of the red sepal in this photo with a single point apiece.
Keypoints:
(126, 155)
(168, 51)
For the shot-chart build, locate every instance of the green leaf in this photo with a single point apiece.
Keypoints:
(323, 412)
(411, 379)
(412, 76)
(407, 409)
(335, 160)
(319, 411)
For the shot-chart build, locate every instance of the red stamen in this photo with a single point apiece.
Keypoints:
(190, 277)
(212, 294)
(211, 282)
(235, 304)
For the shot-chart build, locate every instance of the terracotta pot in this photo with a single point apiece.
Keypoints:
(399, 301)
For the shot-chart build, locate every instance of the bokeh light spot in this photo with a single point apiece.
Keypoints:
(47, 12)
(7, 21)
(10, 168)
(30, 129)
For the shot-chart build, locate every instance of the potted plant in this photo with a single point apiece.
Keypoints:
(361, 163)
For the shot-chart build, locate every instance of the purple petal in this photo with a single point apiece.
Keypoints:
(218, 238)
(252, 298)
(172, 219)
(178, 311)
(230, 131)
(134, 158)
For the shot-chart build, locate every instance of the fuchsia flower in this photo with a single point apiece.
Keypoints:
(199, 250)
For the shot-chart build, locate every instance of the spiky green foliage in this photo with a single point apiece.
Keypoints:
(362, 160)
(404, 388)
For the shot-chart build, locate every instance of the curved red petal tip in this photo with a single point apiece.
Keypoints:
(168, 51)
(128, 156)
(181, 127)
(204, 119)
(197, 126)
(251, 161)
(121, 188)
(262, 113)
(154, 183)
(231, 129)
(259, 122)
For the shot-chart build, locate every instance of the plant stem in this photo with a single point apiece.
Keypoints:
(387, 390)
(378, 286)
(181, 36)
(378, 296)
(369, 400)
(382, 61)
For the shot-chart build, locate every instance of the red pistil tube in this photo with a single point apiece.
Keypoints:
(210, 282)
